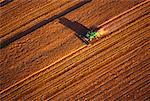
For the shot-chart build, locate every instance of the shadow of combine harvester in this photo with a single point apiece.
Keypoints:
(80, 30)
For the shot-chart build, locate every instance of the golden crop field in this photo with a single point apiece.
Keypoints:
(42, 59)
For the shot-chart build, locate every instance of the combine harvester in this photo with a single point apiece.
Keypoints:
(91, 36)
(87, 35)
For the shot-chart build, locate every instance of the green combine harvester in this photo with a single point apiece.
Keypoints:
(91, 35)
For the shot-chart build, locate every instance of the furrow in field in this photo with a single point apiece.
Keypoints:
(105, 73)
(76, 73)
(136, 92)
(138, 79)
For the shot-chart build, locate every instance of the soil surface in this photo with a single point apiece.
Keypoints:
(41, 57)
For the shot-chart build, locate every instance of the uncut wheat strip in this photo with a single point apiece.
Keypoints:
(125, 17)
(102, 72)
